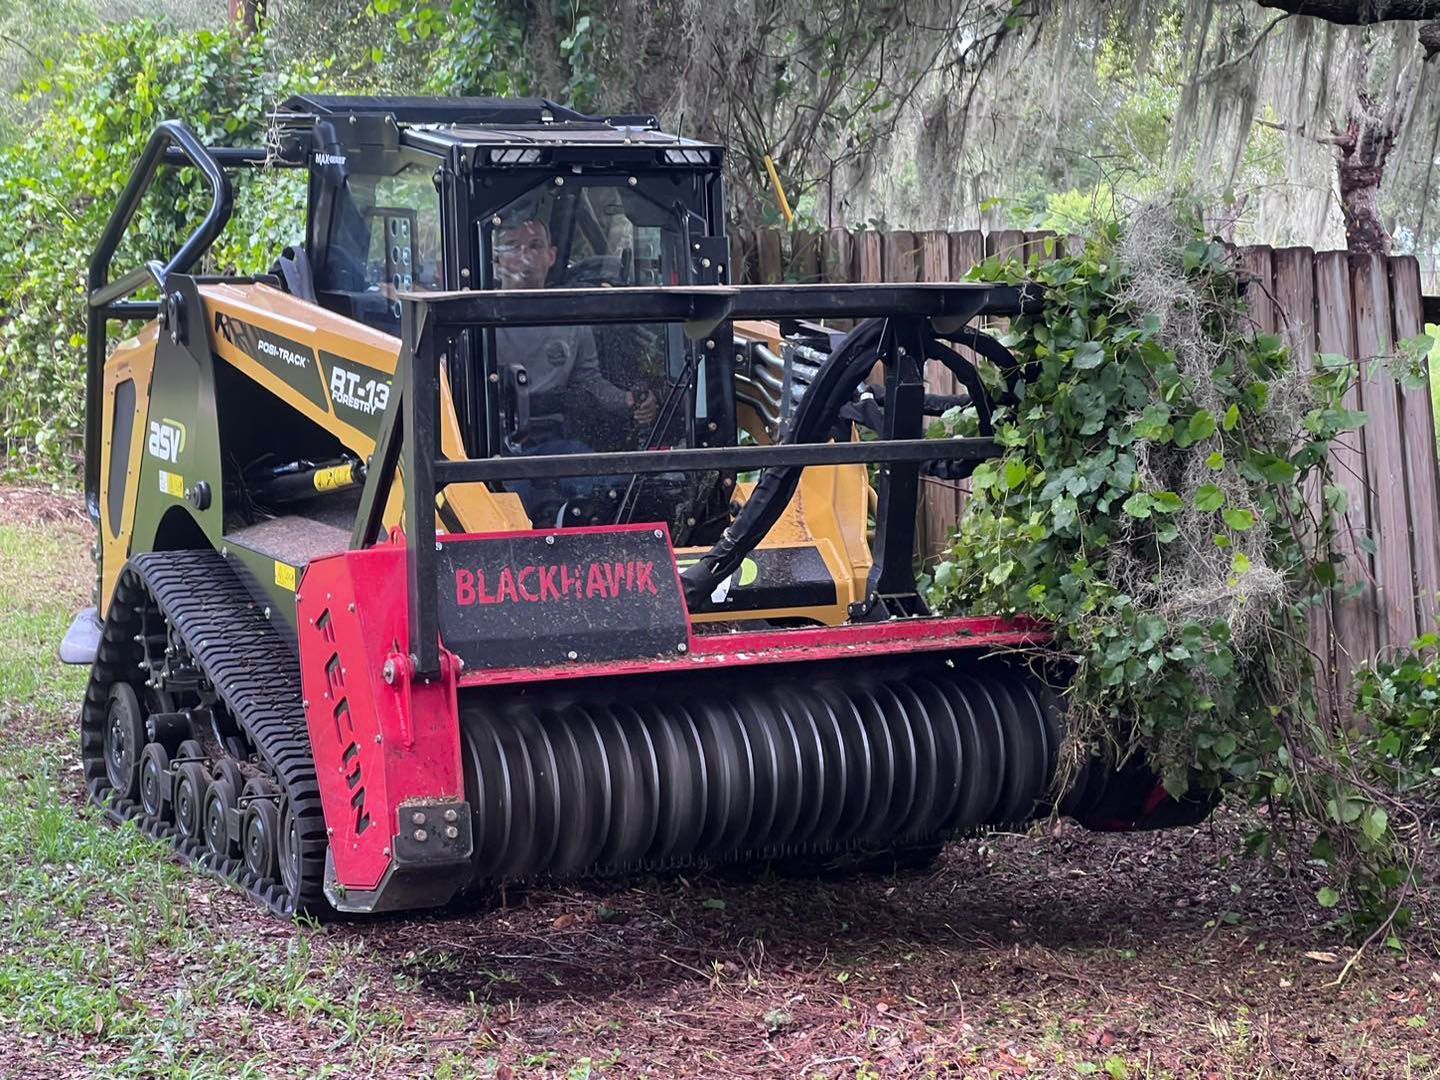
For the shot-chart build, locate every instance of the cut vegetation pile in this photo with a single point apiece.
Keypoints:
(1056, 954)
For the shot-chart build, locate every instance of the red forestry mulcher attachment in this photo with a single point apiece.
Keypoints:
(415, 585)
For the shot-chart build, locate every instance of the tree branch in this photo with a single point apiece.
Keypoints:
(1360, 12)
(1338, 139)
(20, 45)
(1236, 61)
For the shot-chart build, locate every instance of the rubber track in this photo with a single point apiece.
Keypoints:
(254, 673)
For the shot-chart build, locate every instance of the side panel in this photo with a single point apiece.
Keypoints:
(124, 432)
(387, 751)
(338, 373)
(179, 487)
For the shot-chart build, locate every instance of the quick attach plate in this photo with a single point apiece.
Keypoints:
(564, 596)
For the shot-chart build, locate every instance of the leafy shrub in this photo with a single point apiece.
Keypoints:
(477, 48)
(1154, 506)
(60, 183)
(1400, 699)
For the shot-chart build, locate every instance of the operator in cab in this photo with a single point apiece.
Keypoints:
(562, 377)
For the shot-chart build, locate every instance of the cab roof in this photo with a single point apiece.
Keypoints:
(445, 122)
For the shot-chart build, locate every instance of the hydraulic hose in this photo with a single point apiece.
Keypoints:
(833, 386)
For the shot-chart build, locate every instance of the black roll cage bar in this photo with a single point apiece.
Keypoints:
(175, 144)
(431, 324)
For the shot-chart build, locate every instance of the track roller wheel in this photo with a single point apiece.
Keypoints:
(230, 772)
(220, 799)
(124, 741)
(259, 831)
(155, 782)
(290, 848)
(191, 784)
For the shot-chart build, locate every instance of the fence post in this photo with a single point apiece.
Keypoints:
(938, 507)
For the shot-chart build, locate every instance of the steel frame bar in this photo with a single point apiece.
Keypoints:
(431, 320)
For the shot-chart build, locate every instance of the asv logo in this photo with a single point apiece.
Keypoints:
(167, 439)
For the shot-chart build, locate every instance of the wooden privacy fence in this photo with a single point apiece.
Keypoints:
(1359, 306)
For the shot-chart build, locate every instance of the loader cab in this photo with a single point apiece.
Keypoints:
(413, 195)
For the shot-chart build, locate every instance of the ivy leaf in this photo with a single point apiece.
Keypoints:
(1232, 417)
(1167, 502)
(1088, 354)
(1209, 498)
(1274, 469)
(1202, 425)
(1327, 897)
(1215, 462)
(1138, 505)
(1015, 473)
(1154, 423)
(1149, 630)
(1374, 823)
(1238, 519)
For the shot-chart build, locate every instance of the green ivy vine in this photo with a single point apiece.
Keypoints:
(1164, 504)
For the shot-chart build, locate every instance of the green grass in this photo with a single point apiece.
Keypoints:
(109, 948)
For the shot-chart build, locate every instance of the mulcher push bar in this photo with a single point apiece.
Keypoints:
(704, 459)
(432, 323)
(951, 302)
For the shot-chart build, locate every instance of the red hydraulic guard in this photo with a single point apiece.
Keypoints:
(387, 748)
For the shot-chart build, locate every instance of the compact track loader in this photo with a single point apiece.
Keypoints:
(494, 537)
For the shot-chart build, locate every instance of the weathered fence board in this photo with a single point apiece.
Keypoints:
(1291, 302)
(1356, 624)
(1384, 449)
(871, 266)
(837, 255)
(1422, 486)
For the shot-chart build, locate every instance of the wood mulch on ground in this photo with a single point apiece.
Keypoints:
(39, 506)
(1057, 953)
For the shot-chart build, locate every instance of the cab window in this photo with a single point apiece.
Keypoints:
(384, 238)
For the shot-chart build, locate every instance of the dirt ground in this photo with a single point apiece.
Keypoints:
(1057, 953)
(39, 506)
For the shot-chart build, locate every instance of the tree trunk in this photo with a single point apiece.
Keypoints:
(245, 15)
(1362, 151)
(1359, 12)
(552, 71)
(1360, 164)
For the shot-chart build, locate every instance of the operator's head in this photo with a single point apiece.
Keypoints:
(523, 254)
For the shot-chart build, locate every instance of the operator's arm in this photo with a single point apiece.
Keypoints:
(588, 378)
